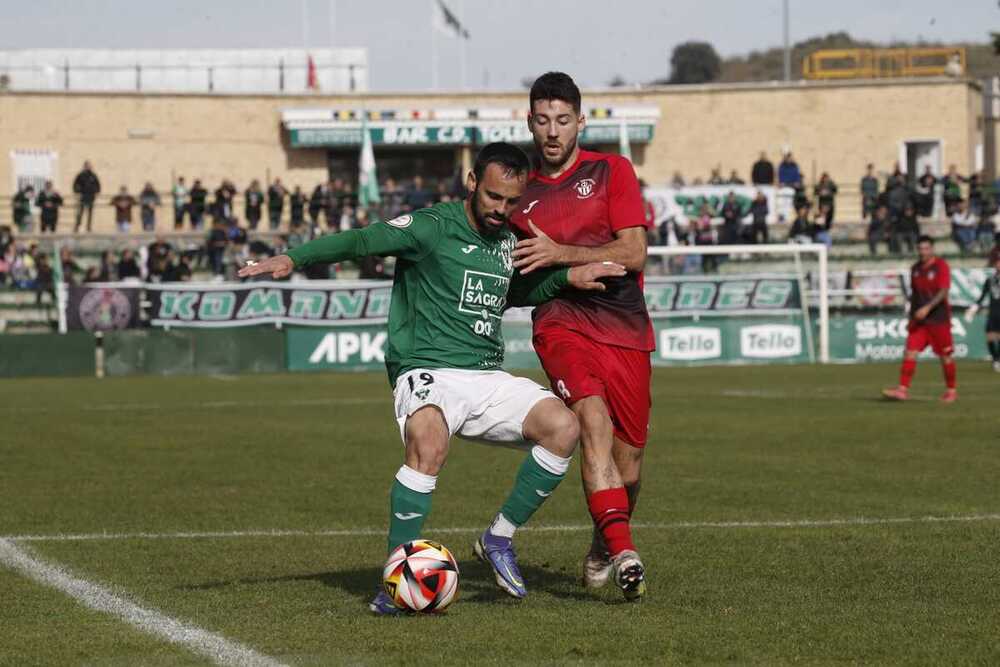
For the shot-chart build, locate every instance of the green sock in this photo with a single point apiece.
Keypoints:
(407, 511)
(531, 487)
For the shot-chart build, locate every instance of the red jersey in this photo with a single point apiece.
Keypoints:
(598, 196)
(925, 282)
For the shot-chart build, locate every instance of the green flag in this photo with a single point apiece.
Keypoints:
(367, 180)
(57, 272)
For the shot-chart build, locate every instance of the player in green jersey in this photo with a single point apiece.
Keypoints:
(454, 279)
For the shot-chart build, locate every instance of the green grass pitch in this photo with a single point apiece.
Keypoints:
(748, 475)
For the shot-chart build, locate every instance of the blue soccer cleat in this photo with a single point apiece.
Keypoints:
(382, 605)
(498, 553)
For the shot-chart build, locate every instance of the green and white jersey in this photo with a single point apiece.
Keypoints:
(451, 286)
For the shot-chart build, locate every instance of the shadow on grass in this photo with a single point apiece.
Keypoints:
(477, 584)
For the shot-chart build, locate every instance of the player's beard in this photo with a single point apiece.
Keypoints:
(559, 162)
(485, 227)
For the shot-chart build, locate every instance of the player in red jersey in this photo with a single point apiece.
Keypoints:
(930, 321)
(581, 207)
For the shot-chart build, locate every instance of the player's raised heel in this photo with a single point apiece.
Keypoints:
(630, 575)
(896, 394)
(382, 605)
(596, 569)
(498, 553)
(949, 396)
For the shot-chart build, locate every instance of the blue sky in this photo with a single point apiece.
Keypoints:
(511, 39)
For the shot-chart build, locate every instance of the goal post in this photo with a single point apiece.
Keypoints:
(793, 250)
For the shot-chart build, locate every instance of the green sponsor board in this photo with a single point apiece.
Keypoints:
(345, 348)
(862, 338)
(706, 293)
(419, 133)
(687, 341)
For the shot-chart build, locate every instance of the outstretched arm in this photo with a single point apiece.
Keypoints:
(411, 241)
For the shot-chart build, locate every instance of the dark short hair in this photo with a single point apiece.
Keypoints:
(555, 86)
(510, 157)
(924, 238)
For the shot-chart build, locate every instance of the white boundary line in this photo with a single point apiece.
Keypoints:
(566, 528)
(215, 647)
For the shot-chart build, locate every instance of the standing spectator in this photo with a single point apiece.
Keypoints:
(275, 203)
(788, 171)
(869, 191)
(418, 196)
(87, 186)
(106, 271)
(48, 203)
(731, 213)
(222, 207)
(217, 241)
(123, 203)
(820, 228)
(199, 199)
(975, 195)
(149, 201)
(734, 179)
(677, 181)
(127, 266)
(952, 183)
(963, 227)
(24, 207)
(253, 200)
(180, 197)
(905, 231)
(762, 172)
(297, 206)
(826, 193)
(705, 235)
(896, 179)
(925, 193)
(319, 203)
(70, 268)
(716, 177)
(897, 195)
(758, 226)
(878, 228)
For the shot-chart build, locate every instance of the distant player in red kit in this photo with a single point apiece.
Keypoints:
(580, 207)
(930, 321)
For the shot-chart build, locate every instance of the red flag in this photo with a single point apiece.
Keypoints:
(311, 82)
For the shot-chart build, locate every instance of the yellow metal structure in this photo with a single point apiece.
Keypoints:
(884, 63)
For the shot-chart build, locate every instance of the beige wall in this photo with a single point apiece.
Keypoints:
(829, 127)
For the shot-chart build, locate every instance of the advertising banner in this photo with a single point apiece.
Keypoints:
(687, 341)
(860, 338)
(314, 303)
(736, 294)
(102, 308)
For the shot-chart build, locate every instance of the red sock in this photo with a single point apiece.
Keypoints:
(949, 374)
(609, 509)
(906, 372)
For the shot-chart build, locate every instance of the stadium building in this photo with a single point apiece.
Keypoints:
(307, 135)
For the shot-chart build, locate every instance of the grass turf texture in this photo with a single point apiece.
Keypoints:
(317, 452)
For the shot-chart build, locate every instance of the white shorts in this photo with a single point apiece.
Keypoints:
(477, 405)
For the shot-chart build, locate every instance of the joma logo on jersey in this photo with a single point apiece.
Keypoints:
(584, 188)
(483, 294)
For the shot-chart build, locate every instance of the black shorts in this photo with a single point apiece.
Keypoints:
(993, 321)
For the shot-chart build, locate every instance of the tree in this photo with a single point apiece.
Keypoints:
(694, 62)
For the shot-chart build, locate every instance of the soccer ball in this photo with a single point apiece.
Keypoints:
(421, 576)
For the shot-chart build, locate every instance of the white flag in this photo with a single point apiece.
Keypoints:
(367, 180)
(624, 145)
(446, 21)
